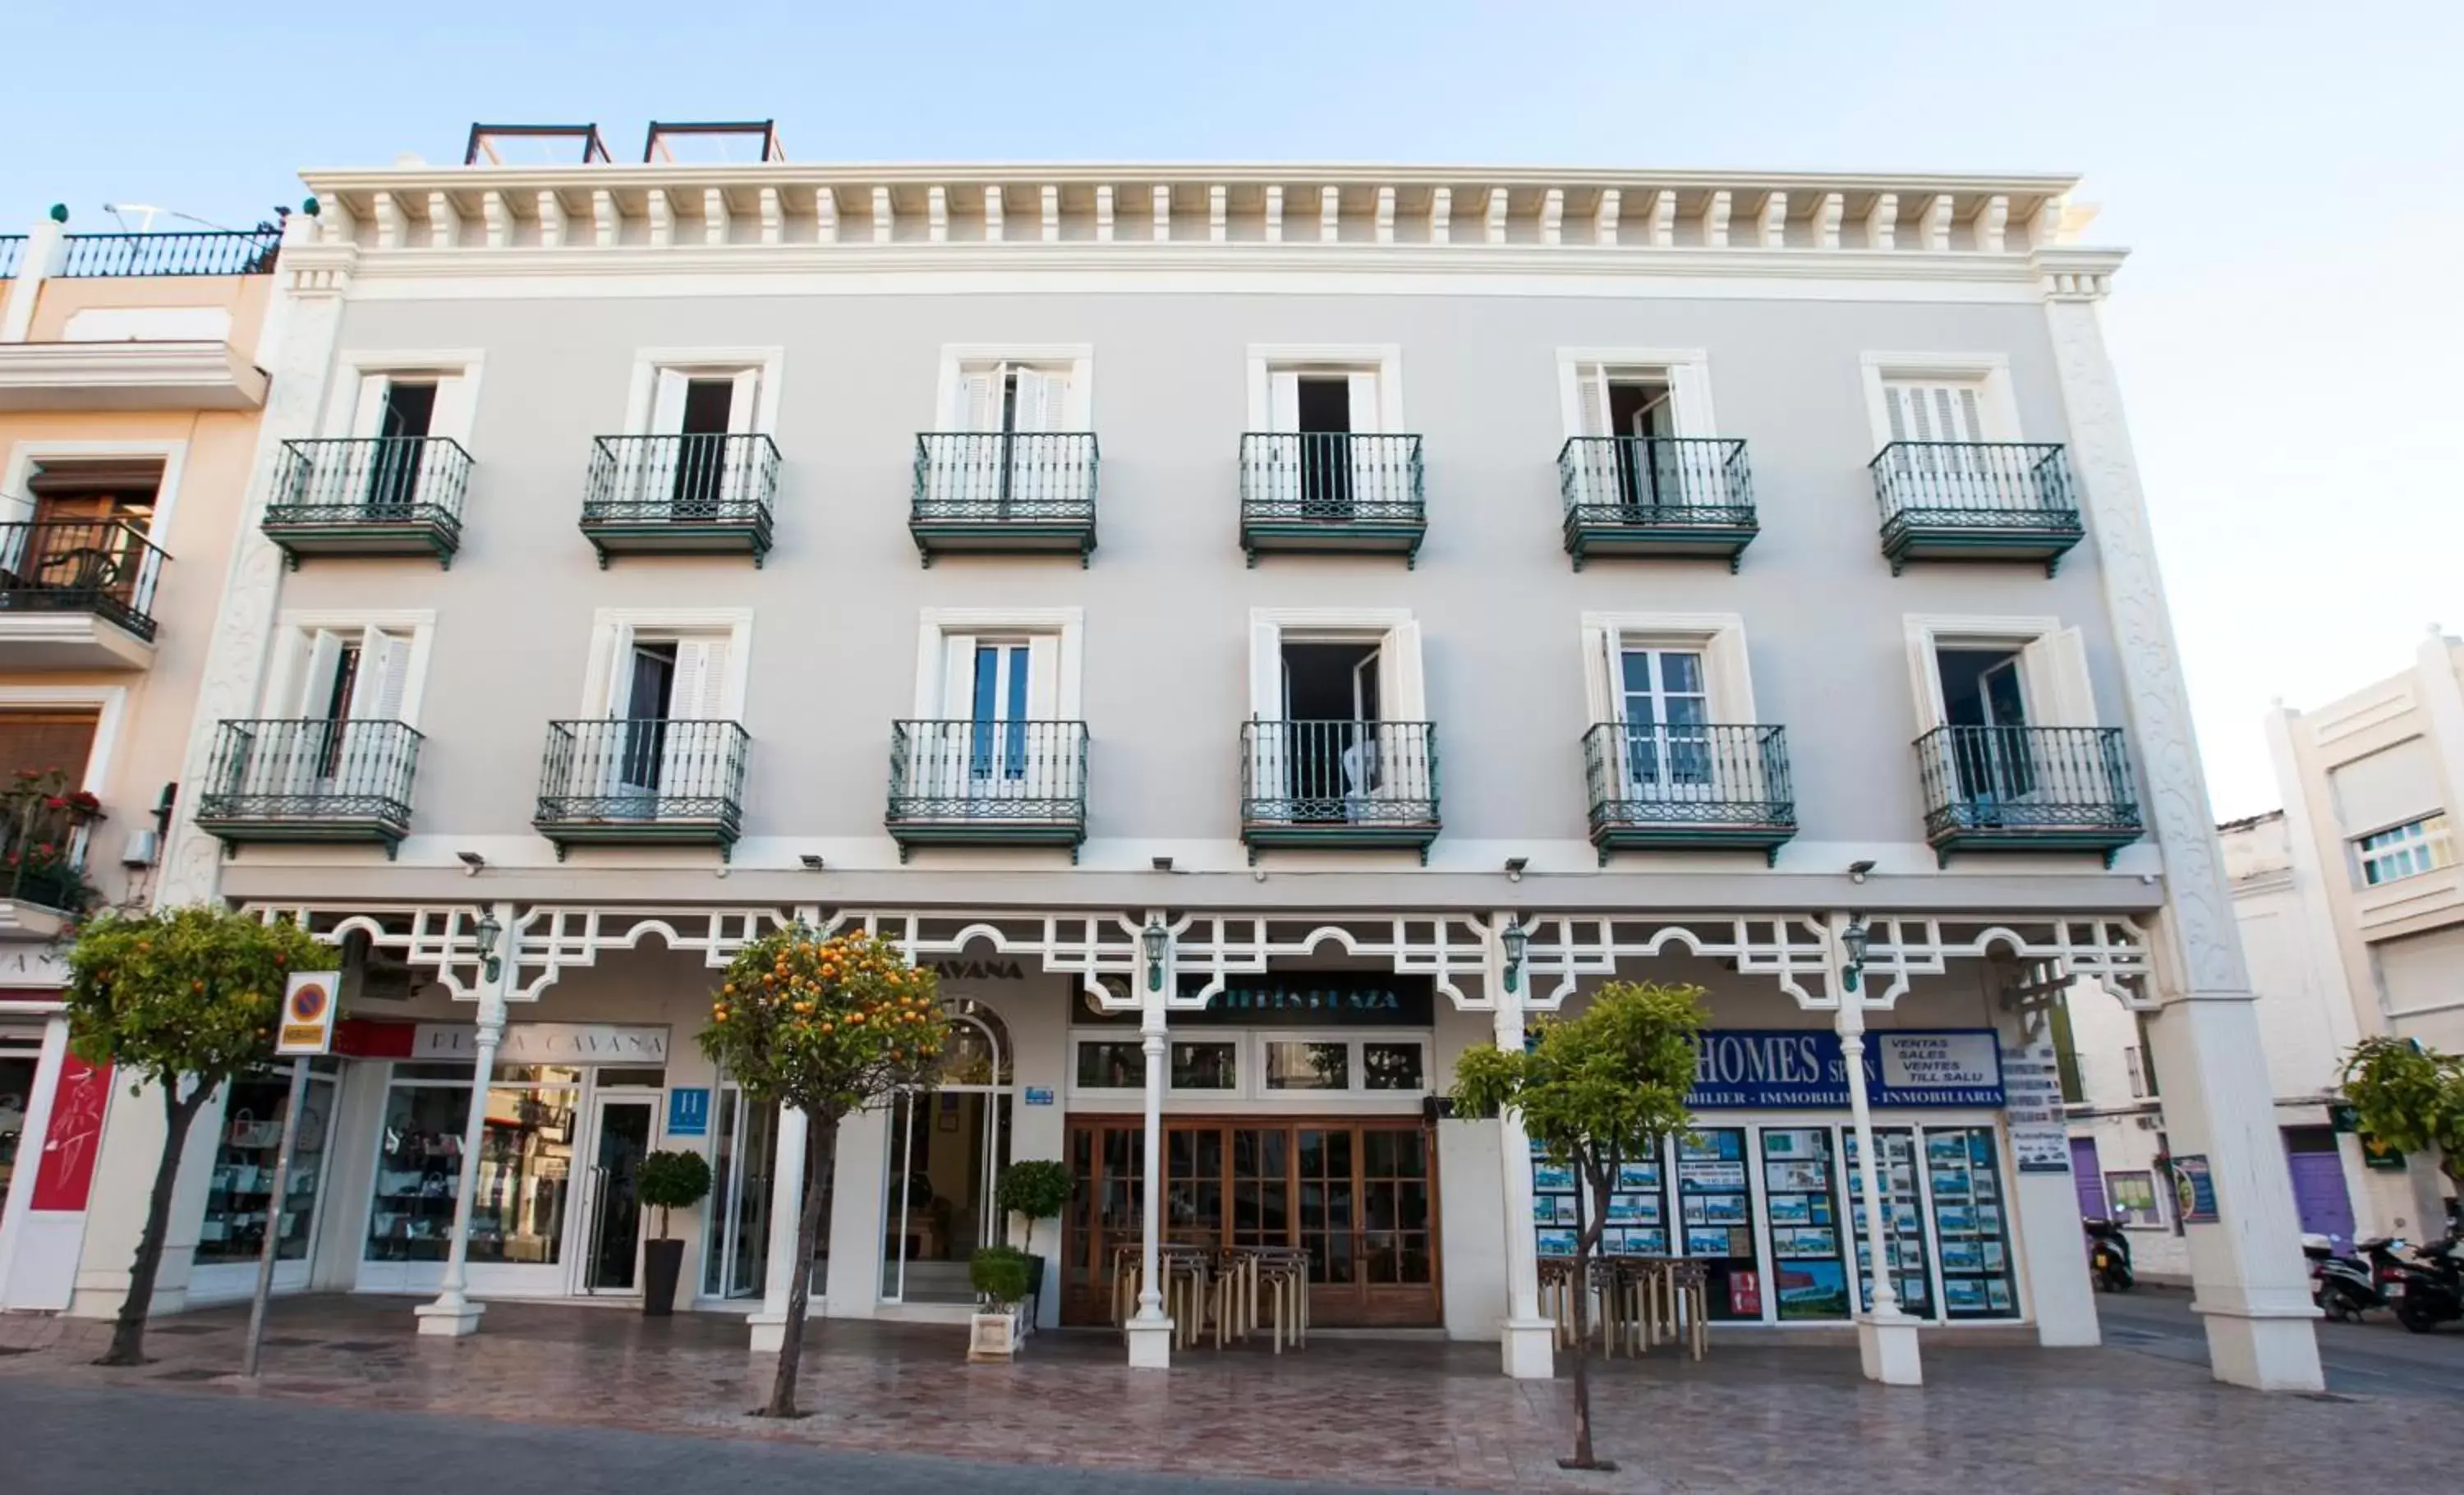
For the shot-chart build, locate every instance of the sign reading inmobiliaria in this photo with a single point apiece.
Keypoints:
(1739, 1068)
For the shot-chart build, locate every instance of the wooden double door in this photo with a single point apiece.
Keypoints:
(1358, 1195)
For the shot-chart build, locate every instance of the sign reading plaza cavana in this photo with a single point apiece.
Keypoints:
(1741, 1068)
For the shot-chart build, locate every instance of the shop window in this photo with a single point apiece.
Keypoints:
(1111, 1064)
(1716, 1214)
(239, 1198)
(1205, 1066)
(525, 1166)
(1971, 1234)
(1393, 1066)
(1808, 1277)
(1904, 1237)
(2132, 1197)
(1301, 1066)
(1638, 1223)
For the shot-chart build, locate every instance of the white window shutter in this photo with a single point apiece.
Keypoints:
(2055, 667)
(1925, 679)
(1399, 683)
(1932, 411)
(667, 404)
(1592, 400)
(619, 684)
(314, 694)
(1366, 416)
(699, 693)
(1044, 677)
(1265, 672)
(368, 417)
(959, 677)
(1284, 401)
(1602, 694)
(978, 400)
(1690, 386)
(744, 401)
(453, 412)
(385, 675)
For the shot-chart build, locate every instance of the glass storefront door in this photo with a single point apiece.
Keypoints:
(240, 1208)
(947, 1149)
(620, 1140)
(736, 1247)
(18, 1060)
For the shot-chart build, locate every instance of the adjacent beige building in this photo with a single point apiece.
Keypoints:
(130, 397)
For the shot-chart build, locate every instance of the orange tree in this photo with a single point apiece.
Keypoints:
(183, 999)
(826, 1027)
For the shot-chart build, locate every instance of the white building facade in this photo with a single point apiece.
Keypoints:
(1257, 632)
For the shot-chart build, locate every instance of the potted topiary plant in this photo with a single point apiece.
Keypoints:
(667, 1182)
(999, 1273)
(1037, 1189)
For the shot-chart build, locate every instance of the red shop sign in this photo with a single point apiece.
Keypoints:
(74, 1139)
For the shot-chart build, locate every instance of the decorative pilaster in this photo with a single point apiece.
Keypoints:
(2251, 1282)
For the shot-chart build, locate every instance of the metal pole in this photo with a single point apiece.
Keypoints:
(272, 1248)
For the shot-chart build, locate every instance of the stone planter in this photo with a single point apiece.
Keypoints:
(994, 1337)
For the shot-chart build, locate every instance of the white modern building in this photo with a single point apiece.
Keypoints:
(1257, 631)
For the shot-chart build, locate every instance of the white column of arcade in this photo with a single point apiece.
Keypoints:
(1528, 1340)
(454, 1314)
(1150, 1332)
(786, 1212)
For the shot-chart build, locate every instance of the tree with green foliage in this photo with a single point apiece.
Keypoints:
(2410, 1097)
(1036, 1189)
(825, 1027)
(1595, 1090)
(183, 999)
(671, 1180)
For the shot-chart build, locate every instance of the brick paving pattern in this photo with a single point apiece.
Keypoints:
(1755, 1418)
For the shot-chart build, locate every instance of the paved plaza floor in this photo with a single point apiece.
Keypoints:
(1757, 1416)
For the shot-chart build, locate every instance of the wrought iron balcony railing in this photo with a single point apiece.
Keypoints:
(212, 252)
(1004, 492)
(1699, 786)
(311, 780)
(642, 780)
(107, 567)
(987, 782)
(369, 495)
(1976, 501)
(1331, 491)
(13, 250)
(1655, 496)
(1360, 783)
(2023, 787)
(681, 493)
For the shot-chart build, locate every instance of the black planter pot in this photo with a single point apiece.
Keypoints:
(1034, 1289)
(663, 1261)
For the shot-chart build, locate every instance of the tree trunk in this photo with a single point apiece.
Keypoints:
(821, 1148)
(1587, 1237)
(128, 1334)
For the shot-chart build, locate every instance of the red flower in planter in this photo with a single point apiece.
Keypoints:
(83, 801)
(57, 802)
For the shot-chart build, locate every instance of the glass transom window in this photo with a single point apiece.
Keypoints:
(2407, 850)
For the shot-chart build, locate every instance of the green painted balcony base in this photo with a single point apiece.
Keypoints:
(1003, 538)
(1333, 536)
(2106, 840)
(1328, 835)
(677, 537)
(1594, 533)
(1610, 836)
(1058, 832)
(1952, 538)
(237, 825)
(299, 534)
(570, 831)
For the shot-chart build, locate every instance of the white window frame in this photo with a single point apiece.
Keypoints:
(957, 358)
(1355, 1072)
(937, 625)
(1686, 370)
(27, 454)
(1719, 637)
(767, 364)
(1249, 1065)
(612, 627)
(2053, 701)
(1243, 1077)
(1393, 629)
(453, 420)
(1384, 359)
(295, 633)
(1996, 405)
(2434, 844)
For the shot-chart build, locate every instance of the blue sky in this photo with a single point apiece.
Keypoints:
(2291, 179)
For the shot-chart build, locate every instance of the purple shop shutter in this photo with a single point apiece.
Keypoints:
(2089, 1178)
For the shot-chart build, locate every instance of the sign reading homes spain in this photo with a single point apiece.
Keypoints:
(1799, 1068)
(308, 1008)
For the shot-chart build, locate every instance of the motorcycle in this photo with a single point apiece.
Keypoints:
(2429, 1289)
(2108, 1256)
(2343, 1286)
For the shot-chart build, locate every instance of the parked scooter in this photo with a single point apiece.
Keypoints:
(2108, 1256)
(2341, 1285)
(2429, 1289)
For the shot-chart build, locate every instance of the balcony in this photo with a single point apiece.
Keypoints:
(643, 781)
(212, 252)
(681, 495)
(1005, 492)
(348, 780)
(383, 496)
(2027, 789)
(1332, 490)
(1976, 501)
(1688, 787)
(76, 594)
(1677, 497)
(1338, 784)
(987, 784)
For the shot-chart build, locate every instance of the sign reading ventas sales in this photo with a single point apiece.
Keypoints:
(1805, 1068)
(308, 1007)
